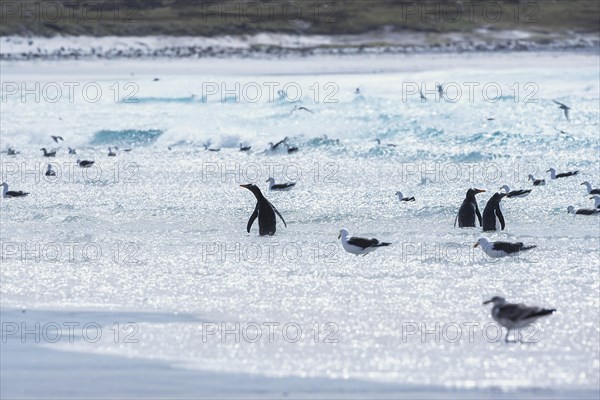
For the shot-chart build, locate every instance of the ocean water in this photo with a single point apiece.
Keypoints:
(152, 246)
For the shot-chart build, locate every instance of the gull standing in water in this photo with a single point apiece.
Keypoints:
(589, 188)
(515, 316)
(280, 187)
(7, 194)
(502, 249)
(357, 245)
(537, 182)
(583, 211)
(515, 193)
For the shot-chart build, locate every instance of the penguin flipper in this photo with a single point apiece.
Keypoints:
(500, 217)
(455, 220)
(252, 219)
(277, 212)
(478, 215)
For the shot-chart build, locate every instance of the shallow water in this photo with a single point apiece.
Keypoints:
(159, 230)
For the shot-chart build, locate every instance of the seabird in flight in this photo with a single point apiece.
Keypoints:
(7, 194)
(515, 316)
(501, 249)
(280, 187)
(72, 151)
(356, 245)
(301, 108)
(515, 193)
(56, 138)
(565, 109)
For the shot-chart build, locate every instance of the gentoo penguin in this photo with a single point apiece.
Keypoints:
(264, 211)
(515, 316)
(7, 194)
(111, 153)
(468, 210)
(492, 215)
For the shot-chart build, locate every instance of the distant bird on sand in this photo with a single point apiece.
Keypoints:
(537, 182)
(85, 163)
(583, 211)
(515, 316)
(280, 187)
(502, 249)
(554, 175)
(402, 198)
(56, 138)
(48, 154)
(565, 109)
(245, 148)
(50, 171)
(357, 245)
(590, 190)
(7, 194)
(515, 193)
(469, 210)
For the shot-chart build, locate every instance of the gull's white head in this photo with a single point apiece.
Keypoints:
(497, 300)
(531, 177)
(587, 185)
(506, 188)
(343, 233)
(552, 172)
(481, 242)
(400, 195)
(49, 167)
(571, 210)
(4, 184)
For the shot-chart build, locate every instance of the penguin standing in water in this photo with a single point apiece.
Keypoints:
(264, 211)
(468, 210)
(492, 215)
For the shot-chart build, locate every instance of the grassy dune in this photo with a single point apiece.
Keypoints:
(208, 18)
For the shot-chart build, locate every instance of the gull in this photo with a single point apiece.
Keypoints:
(291, 149)
(85, 163)
(215, 149)
(12, 152)
(554, 175)
(502, 249)
(515, 193)
(111, 153)
(72, 151)
(537, 182)
(280, 187)
(357, 245)
(300, 108)
(387, 144)
(8, 194)
(583, 211)
(56, 138)
(50, 171)
(515, 316)
(589, 188)
(596, 199)
(46, 154)
(402, 198)
(244, 148)
(565, 109)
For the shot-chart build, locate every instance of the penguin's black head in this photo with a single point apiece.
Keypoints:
(253, 188)
(472, 192)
